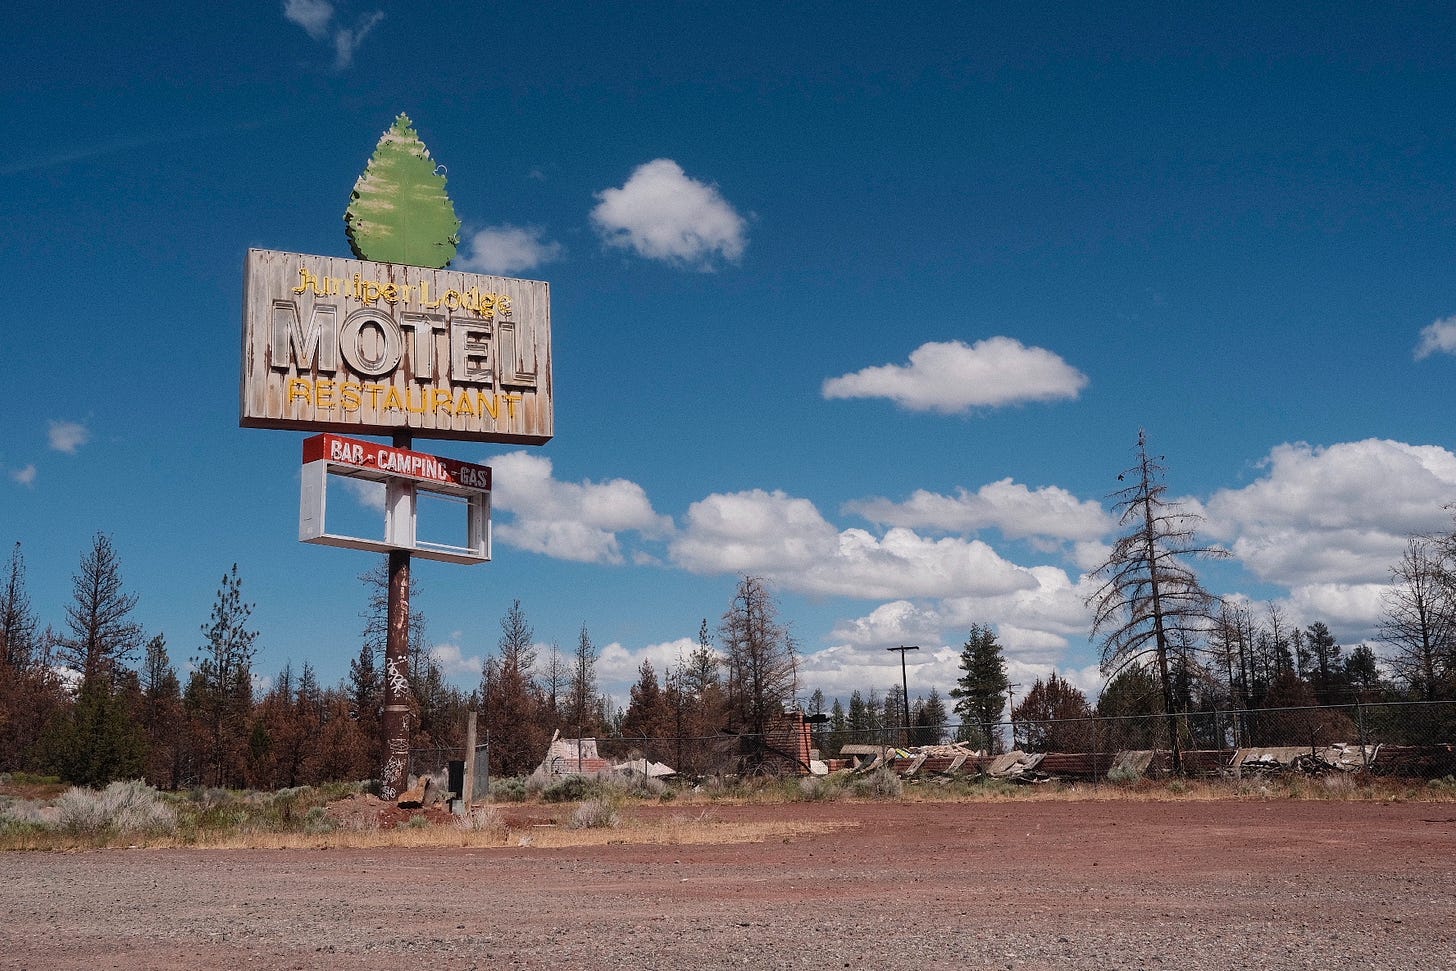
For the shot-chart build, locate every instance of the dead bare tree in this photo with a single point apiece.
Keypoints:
(762, 666)
(1150, 599)
(1418, 620)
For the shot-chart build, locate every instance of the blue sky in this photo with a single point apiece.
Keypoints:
(868, 300)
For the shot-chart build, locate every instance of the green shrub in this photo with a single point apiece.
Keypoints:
(1445, 786)
(317, 820)
(569, 788)
(508, 789)
(1124, 775)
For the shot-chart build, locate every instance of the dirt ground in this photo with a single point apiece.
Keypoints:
(1020, 885)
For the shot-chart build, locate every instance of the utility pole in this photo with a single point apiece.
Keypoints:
(905, 686)
(1011, 710)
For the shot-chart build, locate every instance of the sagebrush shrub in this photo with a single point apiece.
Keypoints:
(508, 789)
(879, 784)
(595, 814)
(122, 807)
(568, 788)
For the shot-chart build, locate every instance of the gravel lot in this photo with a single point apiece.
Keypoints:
(1019, 885)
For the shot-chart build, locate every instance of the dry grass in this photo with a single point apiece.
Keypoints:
(360, 822)
(484, 829)
(680, 830)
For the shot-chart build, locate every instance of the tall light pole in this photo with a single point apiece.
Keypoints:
(905, 686)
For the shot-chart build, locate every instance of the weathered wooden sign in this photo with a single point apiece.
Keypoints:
(334, 344)
(388, 461)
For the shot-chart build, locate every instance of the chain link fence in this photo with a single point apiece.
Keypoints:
(1401, 739)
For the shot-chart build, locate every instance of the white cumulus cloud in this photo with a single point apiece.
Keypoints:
(953, 376)
(453, 661)
(508, 250)
(68, 436)
(1438, 337)
(1352, 610)
(569, 520)
(1008, 506)
(661, 213)
(24, 476)
(786, 538)
(1334, 514)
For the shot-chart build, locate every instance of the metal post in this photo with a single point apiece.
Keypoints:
(468, 796)
(905, 687)
(1011, 710)
(393, 776)
(1360, 731)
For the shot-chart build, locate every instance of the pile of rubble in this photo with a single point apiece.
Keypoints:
(1303, 759)
(580, 756)
(1018, 766)
(956, 758)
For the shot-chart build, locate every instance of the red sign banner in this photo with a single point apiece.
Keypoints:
(388, 460)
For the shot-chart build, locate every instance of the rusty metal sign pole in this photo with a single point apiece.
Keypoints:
(394, 774)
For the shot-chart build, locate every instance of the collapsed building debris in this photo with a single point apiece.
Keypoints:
(580, 756)
(572, 756)
(645, 767)
(786, 749)
(1131, 764)
(1340, 757)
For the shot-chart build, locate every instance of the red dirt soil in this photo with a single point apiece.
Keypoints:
(1035, 885)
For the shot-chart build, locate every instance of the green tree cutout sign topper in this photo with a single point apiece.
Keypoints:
(399, 212)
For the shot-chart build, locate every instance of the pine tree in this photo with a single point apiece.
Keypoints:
(17, 621)
(704, 704)
(364, 685)
(820, 730)
(1362, 672)
(1054, 717)
(103, 637)
(894, 718)
(399, 211)
(221, 690)
(308, 719)
(980, 691)
(1127, 707)
(27, 690)
(929, 719)
(100, 741)
(583, 715)
(703, 684)
(553, 685)
(646, 714)
(1326, 665)
(857, 721)
(161, 717)
(511, 698)
(838, 728)
(276, 744)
